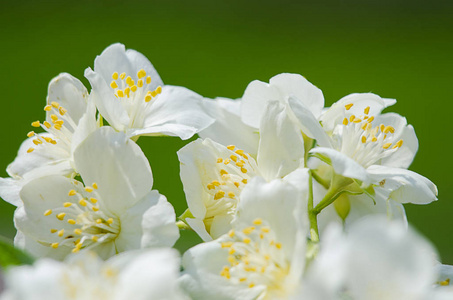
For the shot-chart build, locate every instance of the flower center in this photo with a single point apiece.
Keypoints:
(61, 127)
(256, 258)
(134, 96)
(358, 139)
(84, 223)
(233, 173)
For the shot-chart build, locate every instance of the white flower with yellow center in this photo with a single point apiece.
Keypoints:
(134, 275)
(262, 256)
(372, 149)
(114, 211)
(130, 95)
(214, 175)
(70, 117)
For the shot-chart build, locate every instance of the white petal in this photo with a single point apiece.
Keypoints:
(254, 101)
(280, 204)
(308, 122)
(281, 147)
(117, 165)
(108, 105)
(150, 275)
(199, 227)
(342, 164)
(70, 93)
(228, 128)
(9, 190)
(405, 186)
(175, 112)
(149, 223)
(299, 87)
(87, 124)
(221, 224)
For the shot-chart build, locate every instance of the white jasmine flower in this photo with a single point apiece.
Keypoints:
(70, 117)
(374, 260)
(262, 256)
(113, 211)
(130, 95)
(371, 149)
(133, 275)
(214, 175)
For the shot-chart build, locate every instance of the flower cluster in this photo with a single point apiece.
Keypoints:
(292, 199)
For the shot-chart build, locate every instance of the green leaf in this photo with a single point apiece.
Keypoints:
(10, 256)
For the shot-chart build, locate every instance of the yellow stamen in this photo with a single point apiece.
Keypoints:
(54, 245)
(53, 230)
(93, 200)
(67, 204)
(120, 93)
(248, 230)
(82, 202)
(231, 147)
(88, 189)
(345, 121)
(72, 193)
(48, 212)
(219, 160)
(223, 172)
(148, 79)
(243, 170)
(30, 150)
(94, 238)
(363, 139)
(366, 110)
(110, 221)
(60, 216)
(141, 73)
(386, 146)
(219, 195)
(231, 195)
(55, 104)
(48, 107)
(122, 75)
(247, 240)
(95, 185)
(36, 124)
(115, 76)
(140, 83)
(348, 106)
(244, 181)
(113, 85)
(71, 221)
(134, 88)
(78, 231)
(257, 221)
(60, 233)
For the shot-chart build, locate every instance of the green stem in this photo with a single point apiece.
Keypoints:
(319, 179)
(336, 188)
(312, 215)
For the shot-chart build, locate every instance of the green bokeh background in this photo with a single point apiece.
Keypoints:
(396, 49)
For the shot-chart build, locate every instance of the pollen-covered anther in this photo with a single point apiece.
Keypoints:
(72, 193)
(219, 195)
(30, 150)
(61, 216)
(36, 124)
(89, 189)
(48, 212)
(348, 106)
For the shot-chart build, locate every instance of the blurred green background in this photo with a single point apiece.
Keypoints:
(396, 49)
